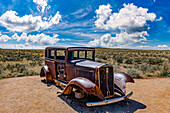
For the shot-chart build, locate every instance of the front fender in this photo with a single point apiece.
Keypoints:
(86, 85)
(46, 73)
(120, 80)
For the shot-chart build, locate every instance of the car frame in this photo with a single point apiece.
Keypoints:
(75, 69)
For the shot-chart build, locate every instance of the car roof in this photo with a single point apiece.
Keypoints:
(72, 48)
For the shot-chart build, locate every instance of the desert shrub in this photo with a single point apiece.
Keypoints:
(128, 61)
(98, 60)
(40, 62)
(144, 67)
(158, 73)
(154, 61)
(10, 66)
(134, 73)
(119, 59)
(31, 72)
(126, 66)
(116, 68)
(102, 56)
(26, 72)
(136, 66)
(21, 68)
(3, 76)
(138, 60)
(148, 74)
(36, 72)
(20, 75)
(165, 69)
(33, 64)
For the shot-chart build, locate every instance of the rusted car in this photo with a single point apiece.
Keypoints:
(75, 69)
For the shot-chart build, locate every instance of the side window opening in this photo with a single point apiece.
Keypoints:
(90, 55)
(60, 55)
(82, 54)
(51, 54)
(75, 54)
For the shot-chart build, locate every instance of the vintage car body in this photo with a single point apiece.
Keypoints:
(75, 68)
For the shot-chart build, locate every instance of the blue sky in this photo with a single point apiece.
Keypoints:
(35, 24)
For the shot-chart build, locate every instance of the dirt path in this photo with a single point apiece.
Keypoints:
(33, 95)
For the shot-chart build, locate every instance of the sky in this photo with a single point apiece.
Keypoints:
(36, 24)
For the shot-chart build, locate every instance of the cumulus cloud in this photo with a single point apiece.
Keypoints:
(4, 38)
(127, 18)
(162, 46)
(39, 38)
(41, 3)
(130, 20)
(27, 23)
(121, 39)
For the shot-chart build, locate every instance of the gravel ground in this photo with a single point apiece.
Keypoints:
(32, 95)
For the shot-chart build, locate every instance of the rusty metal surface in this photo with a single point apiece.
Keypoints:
(120, 80)
(83, 74)
(109, 101)
(46, 73)
(86, 85)
(86, 63)
(59, 83)
(70, 48)
(106, 80)
(83, 83)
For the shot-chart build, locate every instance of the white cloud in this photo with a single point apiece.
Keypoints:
(160, 18)
(103, 13)
(27, 23)
(41, 3)
(55, 19)
(142, 46)
(4, 38)
(162, 46)
(159, 47)
(127, 18)
(130, 20)
(90, 35)
(123, 38)
(21, 46)
(39, 38)
(82, 12)
(65, 39)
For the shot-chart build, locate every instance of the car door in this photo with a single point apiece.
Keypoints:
(50, 62)
(60, 64)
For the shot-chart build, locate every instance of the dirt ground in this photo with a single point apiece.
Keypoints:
(33, 95)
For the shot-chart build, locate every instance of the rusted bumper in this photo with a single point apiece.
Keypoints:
(109, 101)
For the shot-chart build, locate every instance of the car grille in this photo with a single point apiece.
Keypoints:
(106, 81)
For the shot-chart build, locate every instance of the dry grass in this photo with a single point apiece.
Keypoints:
(138, 63)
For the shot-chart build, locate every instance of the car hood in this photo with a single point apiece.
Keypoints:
(87, 63)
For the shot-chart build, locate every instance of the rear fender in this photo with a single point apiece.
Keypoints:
(86, 85)
(120, 80)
